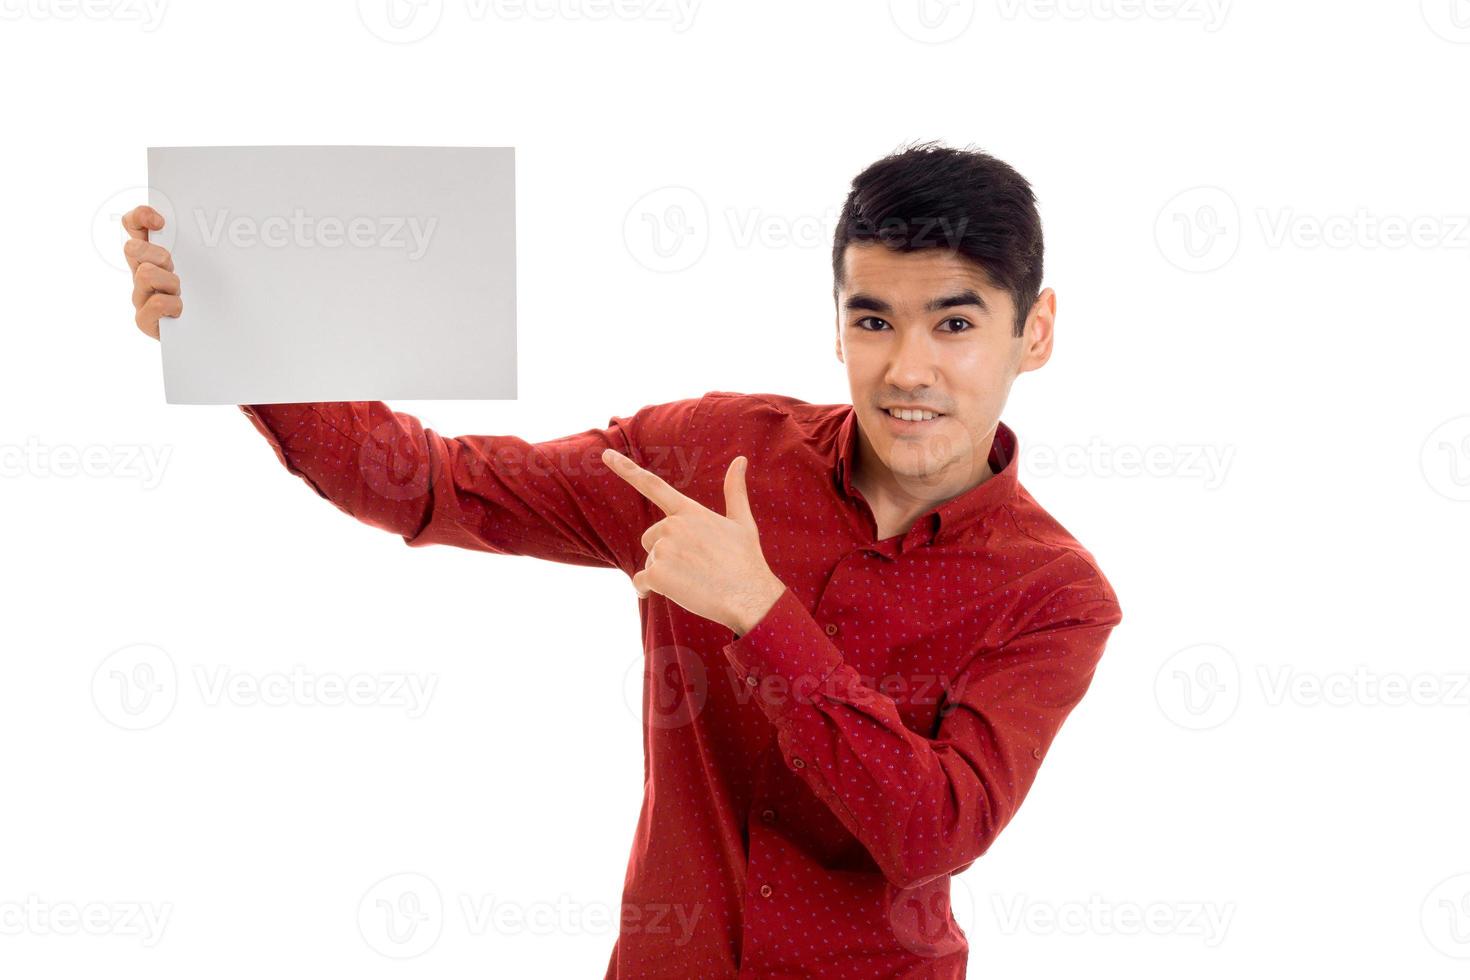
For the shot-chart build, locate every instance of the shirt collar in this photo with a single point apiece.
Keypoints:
(952, 516)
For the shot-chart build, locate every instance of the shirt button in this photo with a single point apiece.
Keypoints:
(797, 764)
(769, 816)
(751, 680)
(831, 629)
(765, 891)
(1036, 753)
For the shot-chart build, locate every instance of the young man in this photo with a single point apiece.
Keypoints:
(861, 632)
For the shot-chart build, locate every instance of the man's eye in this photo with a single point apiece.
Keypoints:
(955, 324)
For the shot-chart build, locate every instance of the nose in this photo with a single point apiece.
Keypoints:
(914, 363)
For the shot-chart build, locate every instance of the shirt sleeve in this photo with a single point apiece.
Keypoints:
(925, 807)
(555, 500)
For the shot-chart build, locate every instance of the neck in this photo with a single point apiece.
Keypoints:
(897, 501)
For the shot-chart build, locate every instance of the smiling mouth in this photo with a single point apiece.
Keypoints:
(912, 417)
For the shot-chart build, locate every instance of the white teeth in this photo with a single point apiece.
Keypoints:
(909, 415)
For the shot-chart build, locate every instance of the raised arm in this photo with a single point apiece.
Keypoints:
(555, 500)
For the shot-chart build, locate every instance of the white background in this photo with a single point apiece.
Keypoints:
(1243, 759)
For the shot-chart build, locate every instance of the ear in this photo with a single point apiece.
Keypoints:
(837, 334)
(1040, 331)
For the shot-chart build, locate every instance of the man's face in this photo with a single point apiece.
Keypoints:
(928, 328)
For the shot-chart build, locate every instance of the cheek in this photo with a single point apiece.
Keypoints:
(978, 373)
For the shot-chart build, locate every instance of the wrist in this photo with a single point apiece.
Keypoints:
(760, 603)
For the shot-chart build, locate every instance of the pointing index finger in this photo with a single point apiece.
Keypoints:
(651, 485)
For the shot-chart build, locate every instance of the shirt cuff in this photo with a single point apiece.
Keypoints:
(784, 658)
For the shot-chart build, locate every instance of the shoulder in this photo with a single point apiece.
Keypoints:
(764, 401)
(667, 420)
(765, 409)
(1074, 567)
(726, 405)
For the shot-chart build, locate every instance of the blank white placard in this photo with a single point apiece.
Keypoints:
(338, 273)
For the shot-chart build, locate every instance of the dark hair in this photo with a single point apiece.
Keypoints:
(931, 196)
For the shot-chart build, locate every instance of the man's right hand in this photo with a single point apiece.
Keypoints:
(155, 287)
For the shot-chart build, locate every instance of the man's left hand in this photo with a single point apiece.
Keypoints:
(710, 564)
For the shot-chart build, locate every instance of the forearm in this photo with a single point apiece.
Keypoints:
(921, 806)
(755, 603)
(372, 463)
(553, 500)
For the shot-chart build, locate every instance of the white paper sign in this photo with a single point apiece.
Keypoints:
(338, 273)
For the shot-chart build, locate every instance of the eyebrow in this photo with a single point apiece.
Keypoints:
(967, 297)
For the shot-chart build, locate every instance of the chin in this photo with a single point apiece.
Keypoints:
(914, 458)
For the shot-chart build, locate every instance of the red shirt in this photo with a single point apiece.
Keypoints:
(810, 786)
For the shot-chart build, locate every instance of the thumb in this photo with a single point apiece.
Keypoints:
(737, 502)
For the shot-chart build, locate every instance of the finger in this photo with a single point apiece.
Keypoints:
(138, 251)
(150, 279)
(640, 584)
(156, 306)
(737, 502)
(643, 580)
(141, 220)
(651, 485)
(651, 536)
